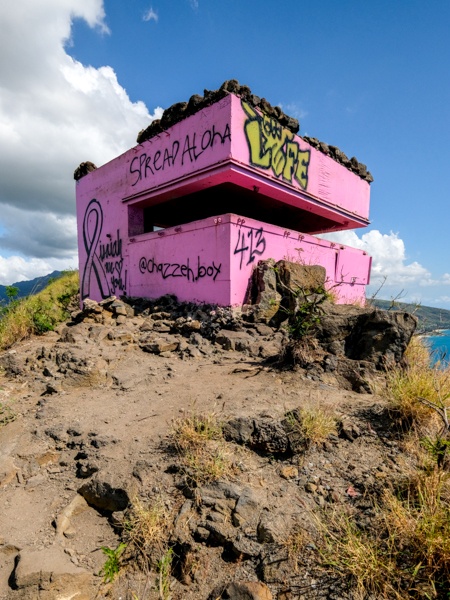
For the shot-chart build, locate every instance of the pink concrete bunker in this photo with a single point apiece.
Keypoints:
(220, 183)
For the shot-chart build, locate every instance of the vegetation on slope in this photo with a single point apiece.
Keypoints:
(37, 314)
(28, 288)
(430, 318)
(405, 551)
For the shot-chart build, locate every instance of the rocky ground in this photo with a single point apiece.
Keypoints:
(96, 403)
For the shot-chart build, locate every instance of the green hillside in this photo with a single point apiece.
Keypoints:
(29, 288)
(430, 318)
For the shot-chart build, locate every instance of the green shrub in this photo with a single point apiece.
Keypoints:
(40, 313)
(111, 567)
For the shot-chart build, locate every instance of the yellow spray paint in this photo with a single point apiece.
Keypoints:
(274, 147)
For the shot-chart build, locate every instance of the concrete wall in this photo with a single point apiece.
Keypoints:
(211, 259)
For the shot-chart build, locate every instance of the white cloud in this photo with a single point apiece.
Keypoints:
(54, 114)
(194, 4)
(294, 110)
(389, 257)
(17, 268)
(392, 275)
(150, 15)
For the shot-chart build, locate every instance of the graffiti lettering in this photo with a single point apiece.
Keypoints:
(117, 277)
(274, 147)
(110, 275)
(167, 270)
(251, 241)
(145, 165)
(92, 230)
(111, 248)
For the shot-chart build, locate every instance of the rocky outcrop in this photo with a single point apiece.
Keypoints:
(90, 395)
(289, 322)
(366, 334)
(350, 342)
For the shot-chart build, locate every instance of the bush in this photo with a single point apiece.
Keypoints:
(405, 551)
(147, 530)
(40, 313)
(313, 423)
(202, 451)
(417, 380)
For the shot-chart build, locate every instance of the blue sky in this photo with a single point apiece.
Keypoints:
(372, 78)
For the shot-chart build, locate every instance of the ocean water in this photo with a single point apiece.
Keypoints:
(439, 346)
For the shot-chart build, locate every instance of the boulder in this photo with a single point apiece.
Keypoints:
(365, 334)
(234, 340)
(294, 276)
(264, 294)
(51, 573)
(106, 492)
(263, 434)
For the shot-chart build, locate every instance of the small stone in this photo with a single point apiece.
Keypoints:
(320, 500)
(245, 548)
(249, 590)
(335, 496)
(288, 472)
(35, 481)
(201, 534)
(70, 533)
(311, 487)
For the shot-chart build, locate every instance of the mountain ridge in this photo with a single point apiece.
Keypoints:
(28, 287)
(430, 318)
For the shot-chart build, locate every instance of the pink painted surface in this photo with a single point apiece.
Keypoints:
(211, 259)
(328, 184)
(213, 147)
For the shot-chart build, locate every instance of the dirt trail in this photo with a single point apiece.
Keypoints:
(110, 417)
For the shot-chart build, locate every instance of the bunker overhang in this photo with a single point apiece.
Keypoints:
(233, 187)
(234, 158)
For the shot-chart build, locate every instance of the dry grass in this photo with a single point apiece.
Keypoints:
(417, 380)
(295, 544)
(39, 313)
(362, 557)
(419, 520)
(317, 424)
(405, 553)
(194, 430)
(313, 424)
(147, 530)
(203, 453)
